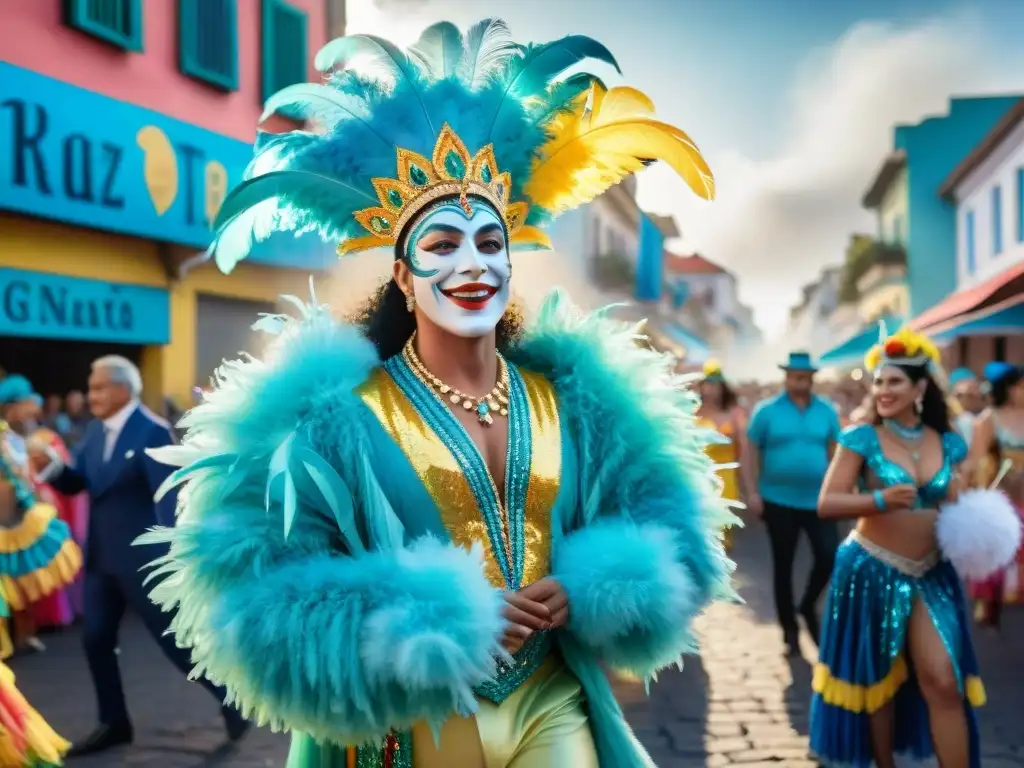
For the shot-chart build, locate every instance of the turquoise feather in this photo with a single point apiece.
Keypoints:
(439, 50)
(488, 48)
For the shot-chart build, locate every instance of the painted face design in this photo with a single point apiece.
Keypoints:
(461, 270)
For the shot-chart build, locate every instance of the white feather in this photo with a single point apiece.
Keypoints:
(980, 533)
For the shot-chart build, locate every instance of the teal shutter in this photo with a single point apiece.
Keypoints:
(285, 48)
(208, 41)
(118, 22)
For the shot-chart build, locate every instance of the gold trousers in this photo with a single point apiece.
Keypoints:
(542, 725)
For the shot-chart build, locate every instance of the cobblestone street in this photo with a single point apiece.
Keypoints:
(741, 703)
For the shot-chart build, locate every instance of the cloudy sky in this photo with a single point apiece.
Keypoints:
(792, 102)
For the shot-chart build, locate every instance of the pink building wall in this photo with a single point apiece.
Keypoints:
(34, 37)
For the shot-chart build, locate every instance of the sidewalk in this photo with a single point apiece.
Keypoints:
(740, 703)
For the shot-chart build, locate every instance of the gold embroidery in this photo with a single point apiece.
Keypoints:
(545, 476)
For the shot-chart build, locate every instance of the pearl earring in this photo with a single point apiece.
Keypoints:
(410, 302)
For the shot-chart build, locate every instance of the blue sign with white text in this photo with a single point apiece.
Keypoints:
(86, 159)
(41, 305)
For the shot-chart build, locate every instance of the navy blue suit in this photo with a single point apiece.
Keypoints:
(121, 492)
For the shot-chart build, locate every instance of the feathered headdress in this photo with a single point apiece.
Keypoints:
(905, 347)
(456, 115)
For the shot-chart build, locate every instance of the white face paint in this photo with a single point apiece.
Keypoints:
(461, 270)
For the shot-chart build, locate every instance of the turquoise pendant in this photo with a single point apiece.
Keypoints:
(483, 413)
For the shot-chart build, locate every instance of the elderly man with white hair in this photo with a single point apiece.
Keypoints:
(112, 465)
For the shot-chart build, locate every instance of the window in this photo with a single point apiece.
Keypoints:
(208, 41)
(897, 230)
(969, 241)
(284, 46)
(118, 22)
(1020, 205)
(997, 220)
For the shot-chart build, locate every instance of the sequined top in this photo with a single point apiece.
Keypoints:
(863, 440)
(514, 528)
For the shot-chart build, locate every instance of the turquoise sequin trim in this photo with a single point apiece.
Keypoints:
(439, 418)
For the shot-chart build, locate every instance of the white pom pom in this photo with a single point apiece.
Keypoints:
(980, 533)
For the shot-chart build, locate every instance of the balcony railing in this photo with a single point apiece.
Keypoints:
(860, 262)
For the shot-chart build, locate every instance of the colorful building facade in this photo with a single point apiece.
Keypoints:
(120, 134)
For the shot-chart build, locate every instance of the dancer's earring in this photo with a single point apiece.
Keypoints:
(919, 404)
(410, 302)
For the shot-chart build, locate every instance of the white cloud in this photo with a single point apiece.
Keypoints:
(777, 221)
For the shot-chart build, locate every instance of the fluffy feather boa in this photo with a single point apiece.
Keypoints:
(980, 533)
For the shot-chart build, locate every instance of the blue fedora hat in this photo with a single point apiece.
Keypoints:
(799, 361)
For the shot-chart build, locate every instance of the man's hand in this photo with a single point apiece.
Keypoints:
(524, 616)
(550, 594)
(755, 506)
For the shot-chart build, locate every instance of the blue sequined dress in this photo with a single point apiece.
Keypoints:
(863, 662)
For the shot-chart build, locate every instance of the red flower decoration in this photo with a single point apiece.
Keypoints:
(895, 348)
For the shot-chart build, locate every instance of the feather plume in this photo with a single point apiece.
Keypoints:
(540, 65)
(587, 156)
(439, 50)
(327, 105)
(488, 48)
(385, 53)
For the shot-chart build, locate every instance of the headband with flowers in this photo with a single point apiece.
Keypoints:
(905, 347)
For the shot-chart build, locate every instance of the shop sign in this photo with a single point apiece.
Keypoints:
(86, 159)
(41, 305)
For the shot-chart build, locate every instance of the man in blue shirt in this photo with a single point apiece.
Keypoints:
(791, 440)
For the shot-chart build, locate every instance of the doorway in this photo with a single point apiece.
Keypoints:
(58, 366)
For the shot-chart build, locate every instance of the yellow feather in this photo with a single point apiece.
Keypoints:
(531, 236)
(592, 150)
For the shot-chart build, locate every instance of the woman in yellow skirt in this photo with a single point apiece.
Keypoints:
(26, 741)
(37, 552)
(720, 411)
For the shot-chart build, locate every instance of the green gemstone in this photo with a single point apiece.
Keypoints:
(485, 174)
(380, 225)
(395, 198)
(418, 176)
(453, 165)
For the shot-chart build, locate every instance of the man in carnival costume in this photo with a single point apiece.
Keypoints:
(413, 541)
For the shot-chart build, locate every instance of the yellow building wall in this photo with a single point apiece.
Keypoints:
(169, 370)
(884, 299)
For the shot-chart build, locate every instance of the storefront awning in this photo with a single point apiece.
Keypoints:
(1003, 319)
(852, 351)
(997, 289)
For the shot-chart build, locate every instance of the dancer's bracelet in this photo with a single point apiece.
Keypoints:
(879, 498)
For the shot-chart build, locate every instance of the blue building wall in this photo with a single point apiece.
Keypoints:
(934, 148)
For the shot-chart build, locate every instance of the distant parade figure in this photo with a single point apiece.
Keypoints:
(791, 439)
(720, 411)
(38, 554)
(999, 441)
(112, 466)
(967, 393)
(897, 674)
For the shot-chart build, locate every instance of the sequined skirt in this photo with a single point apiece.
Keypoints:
(863, 663)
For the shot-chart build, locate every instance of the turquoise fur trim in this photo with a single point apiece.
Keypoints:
(307, 631)
(631, 597)
(641, 460)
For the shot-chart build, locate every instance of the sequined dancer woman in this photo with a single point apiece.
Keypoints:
(413, 540)
(897, 674)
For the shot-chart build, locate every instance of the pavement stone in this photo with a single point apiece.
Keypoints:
(740, 703)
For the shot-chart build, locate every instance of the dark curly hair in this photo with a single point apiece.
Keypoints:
(1002, 385)
(388, 324)
(934, 409)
